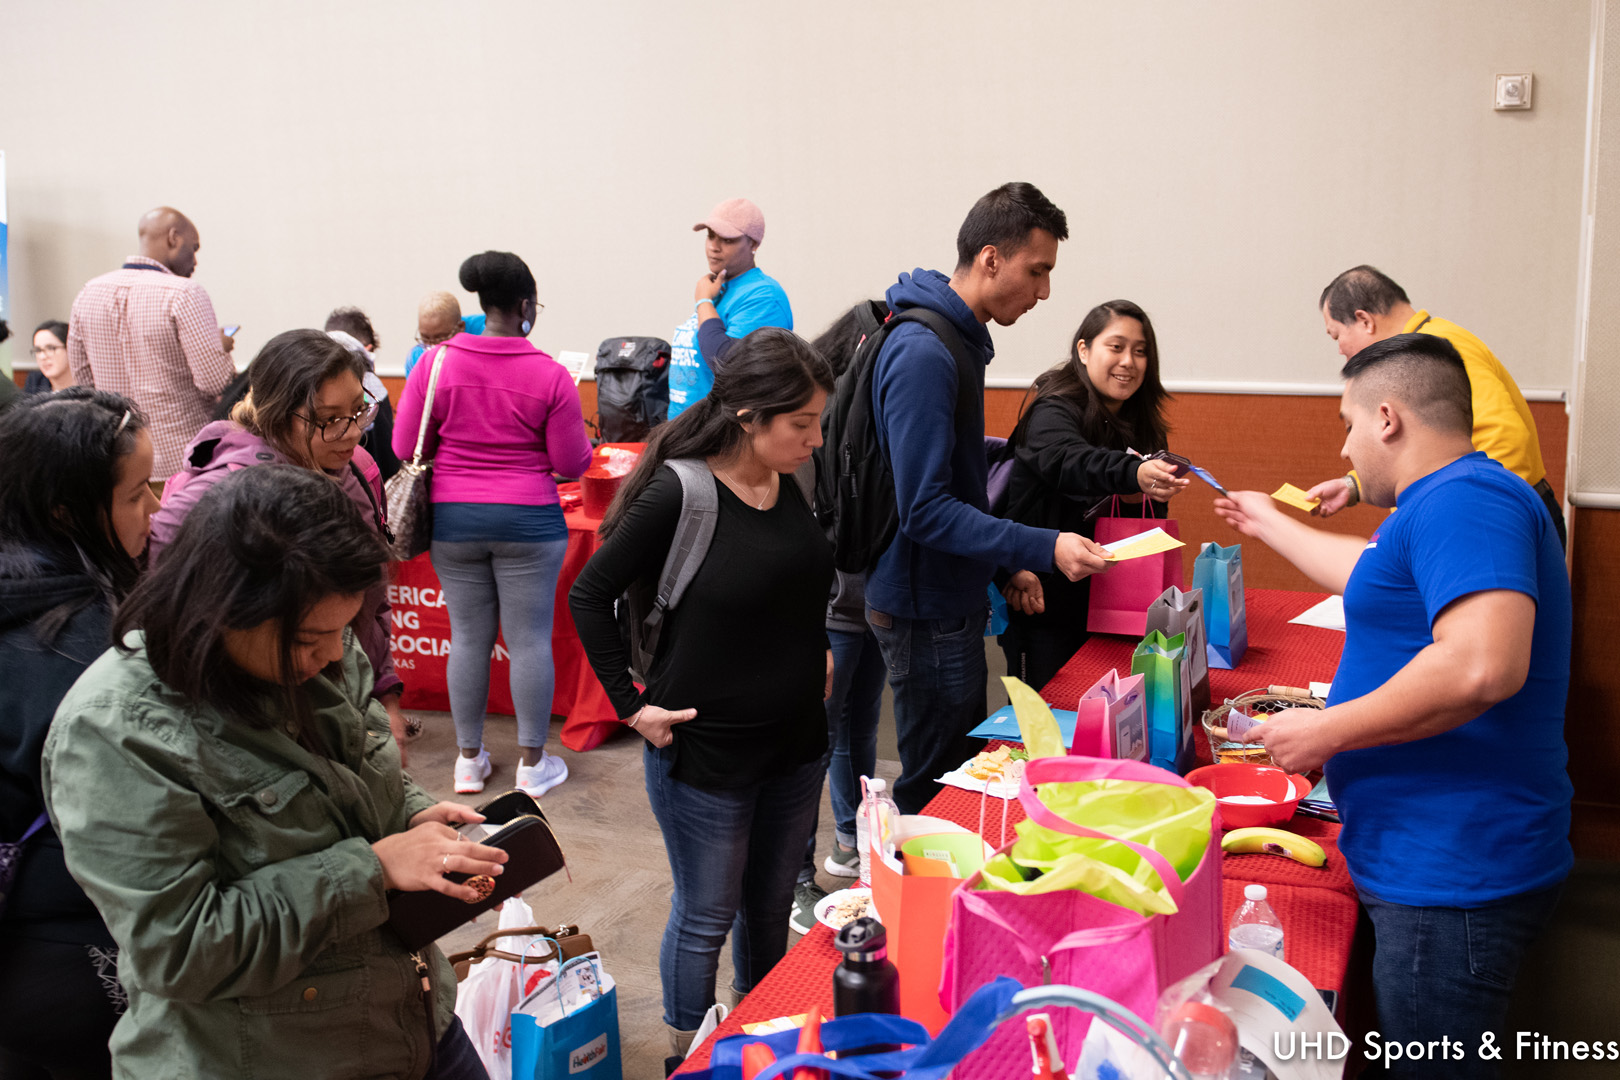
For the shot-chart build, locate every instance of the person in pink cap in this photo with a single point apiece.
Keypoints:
(733, 299)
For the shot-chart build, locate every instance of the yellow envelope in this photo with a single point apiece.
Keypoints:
(1152, 542)
(1289, 495)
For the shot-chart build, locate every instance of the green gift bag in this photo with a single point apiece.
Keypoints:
(1166, 678)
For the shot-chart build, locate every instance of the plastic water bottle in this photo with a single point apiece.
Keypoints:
(876, 806)
(1256, 926)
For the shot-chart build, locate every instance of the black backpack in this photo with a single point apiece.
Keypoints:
(854, 482)
(632, 387)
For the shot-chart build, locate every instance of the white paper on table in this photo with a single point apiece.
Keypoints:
(1329, 614)
(575, 364)
(1321, 690)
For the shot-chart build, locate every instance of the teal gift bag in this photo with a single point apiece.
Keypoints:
(1219, 572)
(569, 1025)
(1161, 662)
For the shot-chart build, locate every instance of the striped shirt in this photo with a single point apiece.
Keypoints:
(149, 334)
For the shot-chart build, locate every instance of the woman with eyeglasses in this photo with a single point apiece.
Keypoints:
(505, 421)
(305, 406)
(50, 353)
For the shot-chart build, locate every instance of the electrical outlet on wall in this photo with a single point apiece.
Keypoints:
(1513, 91)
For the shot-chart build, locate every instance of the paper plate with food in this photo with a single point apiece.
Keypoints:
(845, 905)
(996, 772)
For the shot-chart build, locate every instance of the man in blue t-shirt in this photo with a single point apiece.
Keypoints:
(1443, 740)
(732, 300)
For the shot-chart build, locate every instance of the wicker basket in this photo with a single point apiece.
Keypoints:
(1256, 703)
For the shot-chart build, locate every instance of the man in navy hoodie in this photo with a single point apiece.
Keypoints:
(926, 599)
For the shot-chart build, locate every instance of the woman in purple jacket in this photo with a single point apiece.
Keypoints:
(305, 406)
(505, 419)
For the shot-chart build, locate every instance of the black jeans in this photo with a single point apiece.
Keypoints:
(1036, 651)
(58, 1004)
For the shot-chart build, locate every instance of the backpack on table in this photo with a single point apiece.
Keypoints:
(632, 387)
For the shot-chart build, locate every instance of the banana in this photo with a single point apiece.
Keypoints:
(1274, 842)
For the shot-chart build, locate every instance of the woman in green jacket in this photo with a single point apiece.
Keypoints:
(229, 795)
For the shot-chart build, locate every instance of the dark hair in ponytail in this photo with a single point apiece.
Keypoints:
(63, 452)
(264, 544)
(283, 381)
(771, 372)
(501, 280)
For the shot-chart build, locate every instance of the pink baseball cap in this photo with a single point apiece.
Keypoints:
(734, 218)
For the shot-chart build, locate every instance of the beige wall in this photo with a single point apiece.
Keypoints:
(1219, 162)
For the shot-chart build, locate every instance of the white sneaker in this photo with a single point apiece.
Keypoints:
(536, 780)
(471, 772)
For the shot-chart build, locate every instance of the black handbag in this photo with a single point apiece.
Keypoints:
(410, 502)
(420, 918)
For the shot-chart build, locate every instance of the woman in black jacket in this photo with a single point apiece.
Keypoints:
(732, 711)
(1078, 445)
(73, 527)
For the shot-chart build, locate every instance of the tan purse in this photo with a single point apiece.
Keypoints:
(569, 940)
(410, 502)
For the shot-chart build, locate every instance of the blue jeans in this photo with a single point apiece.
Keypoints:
(510, 586)
(853, 710)
(734, 855)
(938, 674)
(1441, 971)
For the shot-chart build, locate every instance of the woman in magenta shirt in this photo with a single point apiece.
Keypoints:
(506, 420)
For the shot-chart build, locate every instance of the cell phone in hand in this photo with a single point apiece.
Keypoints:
(230, 331)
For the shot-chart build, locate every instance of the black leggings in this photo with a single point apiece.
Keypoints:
(60, 1002)
(1035, 652)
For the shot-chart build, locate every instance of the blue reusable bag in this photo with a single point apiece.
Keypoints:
(584, 1043)
(924, 1059)
(1219, 572)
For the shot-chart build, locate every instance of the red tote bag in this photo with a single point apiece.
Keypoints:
(1121, 595)
(1076, 939)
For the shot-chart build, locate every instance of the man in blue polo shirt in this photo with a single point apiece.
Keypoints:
(731, 301)
(1443, 740)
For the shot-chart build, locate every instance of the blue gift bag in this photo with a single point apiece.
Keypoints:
(582, 1042)
(1219, 572)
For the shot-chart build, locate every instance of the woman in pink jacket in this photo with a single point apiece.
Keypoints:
(305, 406)
(505, 420)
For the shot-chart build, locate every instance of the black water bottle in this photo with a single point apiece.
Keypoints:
(864, 981)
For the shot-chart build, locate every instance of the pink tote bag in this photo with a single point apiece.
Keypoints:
(1122, 594)
(1075, 939)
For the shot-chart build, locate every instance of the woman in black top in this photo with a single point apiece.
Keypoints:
(73, 529)
(1073, 453)
(732, 713)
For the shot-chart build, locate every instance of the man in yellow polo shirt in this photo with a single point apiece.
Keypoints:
(1363, 305)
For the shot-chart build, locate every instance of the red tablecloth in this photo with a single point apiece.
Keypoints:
(1317, 906)
(421, 645)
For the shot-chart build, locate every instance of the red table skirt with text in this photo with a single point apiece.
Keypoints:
(422, 645)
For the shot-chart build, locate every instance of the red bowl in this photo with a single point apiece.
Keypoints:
(1238, 778)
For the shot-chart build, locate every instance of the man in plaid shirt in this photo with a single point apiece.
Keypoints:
(147, 331)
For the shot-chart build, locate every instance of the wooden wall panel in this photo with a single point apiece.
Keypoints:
(1592, 723)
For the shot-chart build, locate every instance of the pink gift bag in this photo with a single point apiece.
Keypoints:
(1122, 594)
(1075, 939)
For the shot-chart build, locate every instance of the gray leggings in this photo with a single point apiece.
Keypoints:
(513, 586)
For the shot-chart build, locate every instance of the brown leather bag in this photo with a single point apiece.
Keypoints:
(568, 939)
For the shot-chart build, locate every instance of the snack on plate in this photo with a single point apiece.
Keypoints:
(850, 908)
(1003, 764)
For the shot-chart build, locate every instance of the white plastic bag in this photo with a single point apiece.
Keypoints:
(493, 988)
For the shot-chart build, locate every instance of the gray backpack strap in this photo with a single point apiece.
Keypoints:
(694, 531)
